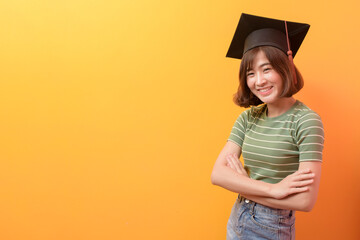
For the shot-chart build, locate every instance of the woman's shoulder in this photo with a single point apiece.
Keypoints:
(306, 117)
(304, 112)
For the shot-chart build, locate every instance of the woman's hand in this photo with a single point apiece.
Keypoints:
(297, 182)
(234, 163)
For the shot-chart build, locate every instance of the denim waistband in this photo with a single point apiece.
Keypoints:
(257, 207)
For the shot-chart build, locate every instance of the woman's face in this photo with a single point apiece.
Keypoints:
(263, 81)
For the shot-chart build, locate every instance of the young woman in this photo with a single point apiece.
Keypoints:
(281, 139)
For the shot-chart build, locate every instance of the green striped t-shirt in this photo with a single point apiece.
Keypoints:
(273, 147)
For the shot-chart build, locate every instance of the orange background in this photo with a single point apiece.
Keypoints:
(112, 114)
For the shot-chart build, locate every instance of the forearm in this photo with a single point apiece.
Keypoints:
(303, 201)
(229, 173)
(299, 202)
(229, 179)
(224, 176)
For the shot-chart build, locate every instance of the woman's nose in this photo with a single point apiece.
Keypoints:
(260, 80)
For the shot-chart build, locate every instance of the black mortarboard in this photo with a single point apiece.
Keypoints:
(254, 31)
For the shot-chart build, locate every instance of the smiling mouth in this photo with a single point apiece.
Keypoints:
(265, 91)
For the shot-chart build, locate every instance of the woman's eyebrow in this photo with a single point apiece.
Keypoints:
(264, 64)
(260, 66)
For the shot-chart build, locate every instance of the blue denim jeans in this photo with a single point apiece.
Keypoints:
(250, 220)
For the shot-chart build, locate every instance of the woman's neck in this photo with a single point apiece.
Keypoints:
(280, 106)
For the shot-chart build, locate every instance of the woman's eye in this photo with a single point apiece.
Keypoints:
(267, 69)
(250, 74)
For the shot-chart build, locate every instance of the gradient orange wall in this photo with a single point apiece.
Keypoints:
(112, 114)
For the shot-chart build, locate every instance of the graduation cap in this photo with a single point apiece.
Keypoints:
(254, 31)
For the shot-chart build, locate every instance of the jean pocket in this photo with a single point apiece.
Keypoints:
(269, 224)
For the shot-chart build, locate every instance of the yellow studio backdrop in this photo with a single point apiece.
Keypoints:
(113, 113)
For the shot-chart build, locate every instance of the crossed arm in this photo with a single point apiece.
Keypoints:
(297, 191)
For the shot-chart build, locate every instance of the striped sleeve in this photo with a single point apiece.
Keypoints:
(310, 137)
(238, 130)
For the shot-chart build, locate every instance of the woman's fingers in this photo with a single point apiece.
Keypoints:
(303, 183)
(241, 167)
(234, 163)
(298, 190)
(230, 162)
(297, 182)
(300, 176)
